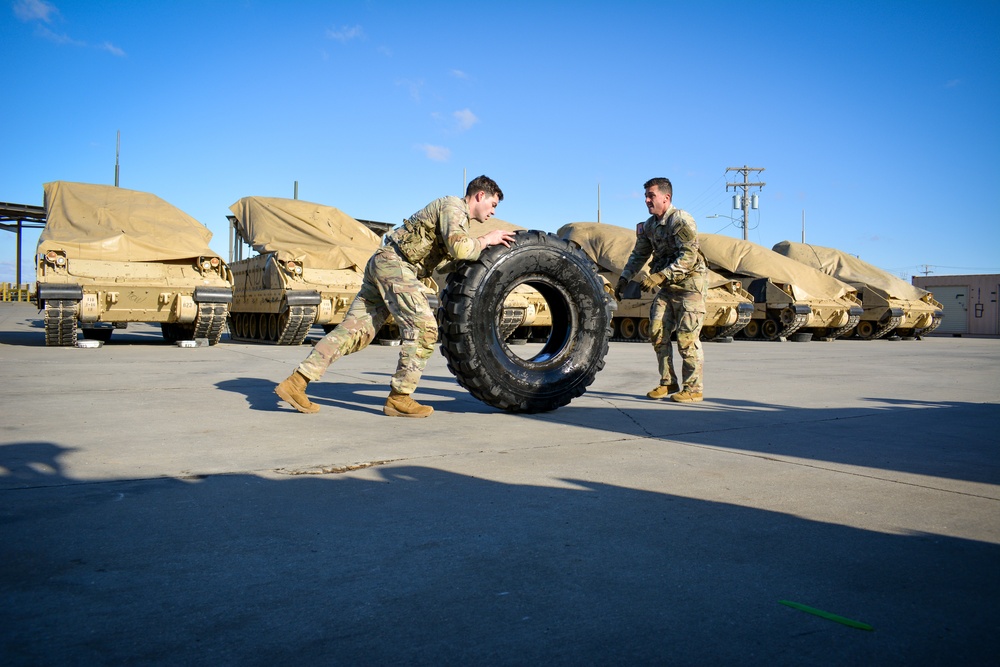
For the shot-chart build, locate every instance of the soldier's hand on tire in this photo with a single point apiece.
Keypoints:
(651, 282)
(497, 237)
(619, 288)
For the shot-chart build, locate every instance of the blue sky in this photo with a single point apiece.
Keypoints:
(879, 122)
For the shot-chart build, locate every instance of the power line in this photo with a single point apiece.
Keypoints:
(964, 268)
(941, 266)
(694, 204)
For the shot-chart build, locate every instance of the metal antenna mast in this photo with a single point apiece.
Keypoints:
(746, 185)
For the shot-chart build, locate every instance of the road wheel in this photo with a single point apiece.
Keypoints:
(752, 329)
(262, 326)
(627, 328)
(866, 329)
(770, 329)
(644, 329)
(569, 359)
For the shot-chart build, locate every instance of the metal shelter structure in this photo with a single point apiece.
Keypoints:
(17, 217)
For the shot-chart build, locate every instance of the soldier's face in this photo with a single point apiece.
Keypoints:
(656, 202)
(483, 206)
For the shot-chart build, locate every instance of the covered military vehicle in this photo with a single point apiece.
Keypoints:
(309, 267)
(728, 306)
(789, 297)
(109, 256)
(526, 315)
(892, 306)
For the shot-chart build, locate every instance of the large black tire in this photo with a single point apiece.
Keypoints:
(572, 354)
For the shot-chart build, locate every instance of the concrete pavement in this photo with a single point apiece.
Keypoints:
(159, 506)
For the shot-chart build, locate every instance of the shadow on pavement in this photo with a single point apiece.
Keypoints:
(949, 439)
(366, 397)
(416, 565)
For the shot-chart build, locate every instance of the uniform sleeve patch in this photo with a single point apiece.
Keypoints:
(686, 234)
(686, 229)
(638, 229)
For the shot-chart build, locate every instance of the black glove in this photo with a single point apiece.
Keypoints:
(620, 287)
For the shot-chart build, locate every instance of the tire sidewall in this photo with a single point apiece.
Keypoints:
(581, 318)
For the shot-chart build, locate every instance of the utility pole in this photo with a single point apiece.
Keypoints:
(927, 270)
(118, 150)
(744, 200)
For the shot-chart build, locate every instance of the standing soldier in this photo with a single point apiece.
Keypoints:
(439, 232)
(679, 272)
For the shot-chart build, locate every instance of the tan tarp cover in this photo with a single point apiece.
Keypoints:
(749, 259)
(849, 269)
(610, 246)
(477, 228)
(102, 222)
(316, 235)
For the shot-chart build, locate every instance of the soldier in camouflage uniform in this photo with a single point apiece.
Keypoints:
(392, 285)
(679, 273)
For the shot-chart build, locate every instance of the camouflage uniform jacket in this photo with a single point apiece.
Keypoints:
(673, 242)
(437, 232)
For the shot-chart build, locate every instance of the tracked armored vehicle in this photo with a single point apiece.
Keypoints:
(790, 299)
(728, 306)
(309, 267)
(110, 256)
(892, 306)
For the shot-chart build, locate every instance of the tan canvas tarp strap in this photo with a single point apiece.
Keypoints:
(103, 222)
(293, 229)
(849, 269)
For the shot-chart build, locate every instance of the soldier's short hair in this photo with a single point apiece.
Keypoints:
(663, 184)
(486, 184)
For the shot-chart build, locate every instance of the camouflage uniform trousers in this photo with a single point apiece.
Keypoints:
(390, 286)
(682, 311)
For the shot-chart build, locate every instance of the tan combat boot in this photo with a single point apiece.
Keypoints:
(663, 391)
(687, 396)
(293, 391)
(401, 405)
